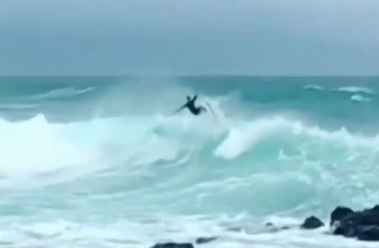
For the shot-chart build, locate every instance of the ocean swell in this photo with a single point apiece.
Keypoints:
(298, 164)
(130, 173)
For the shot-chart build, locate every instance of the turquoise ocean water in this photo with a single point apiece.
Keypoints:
(101, 162)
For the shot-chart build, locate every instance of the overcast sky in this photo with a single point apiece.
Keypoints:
(270, 37)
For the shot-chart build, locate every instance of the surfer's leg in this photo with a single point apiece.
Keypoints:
(202, 109)
(198, 110)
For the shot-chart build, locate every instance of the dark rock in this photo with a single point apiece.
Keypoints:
(363, 225)
(285, 227)
(345, 228)
(312, 223)
(269, 224)
(274, 228)
(339, 213)
(204, 240)
(368, 218)
(235, 229)
(368, 233)
(173, 245)
(363, 218)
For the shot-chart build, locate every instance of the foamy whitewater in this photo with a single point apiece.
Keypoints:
(102, 162)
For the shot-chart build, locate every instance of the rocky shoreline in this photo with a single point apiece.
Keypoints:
(362, 225)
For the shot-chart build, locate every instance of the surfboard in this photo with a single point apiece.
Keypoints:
(209, 106)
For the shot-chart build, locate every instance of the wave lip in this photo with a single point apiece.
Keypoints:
(313, 87)
(349, 89)
(356, 89)
(359, 98)
(60, 93)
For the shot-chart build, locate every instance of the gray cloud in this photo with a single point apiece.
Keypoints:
(174, 37)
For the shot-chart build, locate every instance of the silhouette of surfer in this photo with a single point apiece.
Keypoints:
(190, 104)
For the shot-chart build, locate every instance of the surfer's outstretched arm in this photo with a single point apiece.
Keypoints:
(194, 98)
(180, 109)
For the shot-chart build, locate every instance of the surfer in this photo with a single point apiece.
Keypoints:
(190, 104)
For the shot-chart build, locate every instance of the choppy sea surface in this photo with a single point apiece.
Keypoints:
(102, 162)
